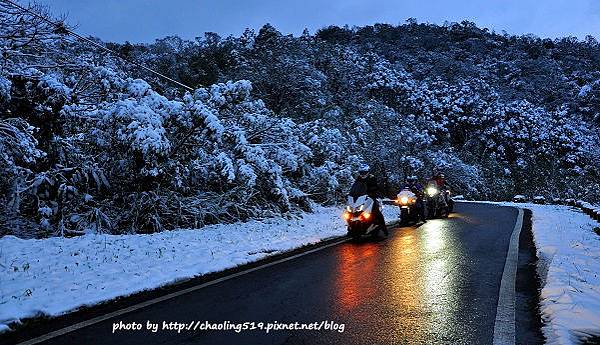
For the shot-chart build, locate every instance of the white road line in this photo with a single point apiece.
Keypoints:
(504, 327)
(123, 311)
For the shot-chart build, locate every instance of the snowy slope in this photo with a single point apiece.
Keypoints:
(56, 275)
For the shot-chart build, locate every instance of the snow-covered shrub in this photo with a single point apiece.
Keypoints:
(5, 86)
(463, 178)
(18, 154)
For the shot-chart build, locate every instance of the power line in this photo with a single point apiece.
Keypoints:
(62, 28)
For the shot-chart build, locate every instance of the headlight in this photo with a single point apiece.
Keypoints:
(404, 200)
(348, 208)
(431, 191)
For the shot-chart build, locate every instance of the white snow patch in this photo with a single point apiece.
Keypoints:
(5, 86)
(585, 89)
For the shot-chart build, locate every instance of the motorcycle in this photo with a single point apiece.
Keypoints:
(359, 217)
(437, 206)
(407, 201)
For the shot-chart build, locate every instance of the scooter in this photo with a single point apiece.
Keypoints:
(407, 201)
(437, 207)
(360, 218)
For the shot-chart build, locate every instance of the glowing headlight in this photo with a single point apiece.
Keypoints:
(431, 191)
(404, 200)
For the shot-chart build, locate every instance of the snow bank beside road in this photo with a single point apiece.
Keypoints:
(570, 298)
(56, 275)
(569, 253)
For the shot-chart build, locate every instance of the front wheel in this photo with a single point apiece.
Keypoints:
(403, 217)
(431, 212)
(355, 236)
(445, 213)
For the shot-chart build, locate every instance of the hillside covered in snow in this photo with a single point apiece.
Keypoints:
(90, 143)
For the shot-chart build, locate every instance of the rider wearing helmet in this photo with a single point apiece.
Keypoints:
(440, 179)
(366, 180)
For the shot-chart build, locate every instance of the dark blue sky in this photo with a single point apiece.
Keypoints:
(146, 20)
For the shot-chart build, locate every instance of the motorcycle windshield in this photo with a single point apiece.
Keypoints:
(354, 204)
(406, 193)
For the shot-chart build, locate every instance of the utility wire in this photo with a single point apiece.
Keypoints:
(61, 28)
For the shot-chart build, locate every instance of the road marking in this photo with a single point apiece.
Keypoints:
(129, 309)
(504, 327)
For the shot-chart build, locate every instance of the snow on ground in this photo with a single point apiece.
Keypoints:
(570, 249)
(53, 276)
(569, 265)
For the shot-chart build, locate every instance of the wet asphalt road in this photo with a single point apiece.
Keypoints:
(434, 284)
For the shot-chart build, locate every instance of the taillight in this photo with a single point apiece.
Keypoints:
(366, 215)
(346, 215)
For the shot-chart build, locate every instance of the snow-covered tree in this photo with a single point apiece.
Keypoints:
(91, 143)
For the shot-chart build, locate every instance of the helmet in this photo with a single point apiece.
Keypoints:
(364, 169)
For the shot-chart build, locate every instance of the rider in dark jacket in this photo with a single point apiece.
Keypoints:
(414, 186)
(367, 183)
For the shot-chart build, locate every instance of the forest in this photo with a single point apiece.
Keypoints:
(275, 124)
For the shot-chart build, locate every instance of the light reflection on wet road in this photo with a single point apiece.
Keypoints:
(434, 284)
(414, 293)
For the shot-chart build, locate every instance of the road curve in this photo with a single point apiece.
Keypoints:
(437, 283)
